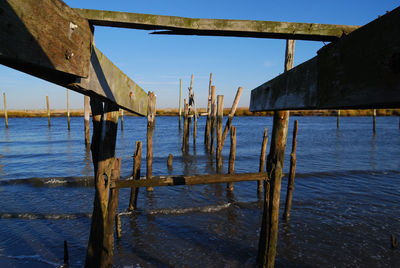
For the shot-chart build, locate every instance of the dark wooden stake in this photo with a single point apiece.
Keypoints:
(106, 170)
(292, 174)
(169, 162)
(232, 157)
(220, 111)
(185, 137)
(66, 255)
(213, 119)
(208, 122)
(137, 161)
(374, 120)
(231, 114)
(5, 109)
(338, 119)
(68, 114)
(269, 227)
(262, 159)
(86, 117)
(48, 110)
(151, 117)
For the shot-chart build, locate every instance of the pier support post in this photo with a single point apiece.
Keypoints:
(338, 119)
(106, 170)
(213, 119)
(374, 120)
(180, 102)
(208, 122)
(5, 110)
(220, 111)
(151, 118)
(137, 161)
(48, 110)
(232, 157)
(86, 116)
(292, 174)
(68, 113)
(262, 159)
(231, 114)
(122, 118)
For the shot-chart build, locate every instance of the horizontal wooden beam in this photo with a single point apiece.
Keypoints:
(361, 70)
(188, 180)
(216, 27)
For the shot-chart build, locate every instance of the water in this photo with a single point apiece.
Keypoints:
(346, 201)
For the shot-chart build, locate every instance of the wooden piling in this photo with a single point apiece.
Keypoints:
(66, 255)
(151, 116)
(169, 162)
(338, 119)
(208, 122)
(68, 113)
(137, 161)
(106, 170)
(122, 118)
(231, 114)
(48, 110)
(269, 228)
(213, 119)
(232, 157)
(185, 137)
(5, 110)
(374, 120)
(262, 159)
(118, 229)
(220, 111)
(180, 102)
(292, 174)
(86, 117)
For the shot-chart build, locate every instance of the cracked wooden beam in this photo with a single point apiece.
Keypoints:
(361, 70)
(216, 27)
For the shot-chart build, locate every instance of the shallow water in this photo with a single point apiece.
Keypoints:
(345, 207)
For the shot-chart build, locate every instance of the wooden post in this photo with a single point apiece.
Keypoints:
(194, 124)
(122, 119)
(232, 157)
(262, 159)
(231, 114)
(5, 110)
(208, 122)
(68, 119)
(169, 161)
(48, 110)
(66, 255)
(180, 102)
(220, 111)
(290, 186)
(118, 230)
(374, 120)
(106, 170)
(151, 116)
(269, 226)
(185, 138)
(338, 119)
(86, 116)
(137, 161)
(213, 119)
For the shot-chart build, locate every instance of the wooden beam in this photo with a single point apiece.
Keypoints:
(188, 180)
(216, 27)
(45, 37)
(361, 70)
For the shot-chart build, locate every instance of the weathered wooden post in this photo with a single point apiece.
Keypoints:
(106, 169)
(232, 157)
(86, 116)
(122, 118)
(292, 174)
(68, 114)
(48, 110)
(338, 119)
(374, 120)
(169, 161)
(151, 117)
(180, 102)
(220, 112)
(137, 161)
(208, 122)
(5, 110)
(213, 119)
(118, 230)
(269, 227)
(231, 114)
(185, 137)
(262, 159)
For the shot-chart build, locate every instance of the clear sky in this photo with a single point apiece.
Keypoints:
(157, 62)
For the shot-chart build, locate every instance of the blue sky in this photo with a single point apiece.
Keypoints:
(157, 63)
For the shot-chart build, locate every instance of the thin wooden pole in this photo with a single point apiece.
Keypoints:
(220, 111)
(86, 117)
(185, 137)
(48, 110)
(213, 119)
(194, 124)
(180, 102)
(338, 119)
(231, 114)
(262, 159)
(151, 116)
(122, 119)
(137, 161)
(269, 228)
(208, 122)
(232, 157)
(5, 110)
(292, 174)
(68, 119)
(374, 120)
(169, 161)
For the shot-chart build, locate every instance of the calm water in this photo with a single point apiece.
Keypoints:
(346, 201)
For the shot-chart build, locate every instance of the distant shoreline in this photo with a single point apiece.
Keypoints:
(239, 112)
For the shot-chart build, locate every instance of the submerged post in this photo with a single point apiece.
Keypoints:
(137, 161)
(269, 227)
(86, 116)
(231, 114)
(292, 173)
(48, 110)
(151, 117)
(220, 111)
(69, 122)
(262, 159)
(232, 157)
(180, 102)
(374, 120)
(5, 110)
(213, 119)
(208, 122)
(338, 119)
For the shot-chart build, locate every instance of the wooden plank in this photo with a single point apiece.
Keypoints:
(188, 180)
(216, 27)
(108, 82)
(44, 35)
(360, 70)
